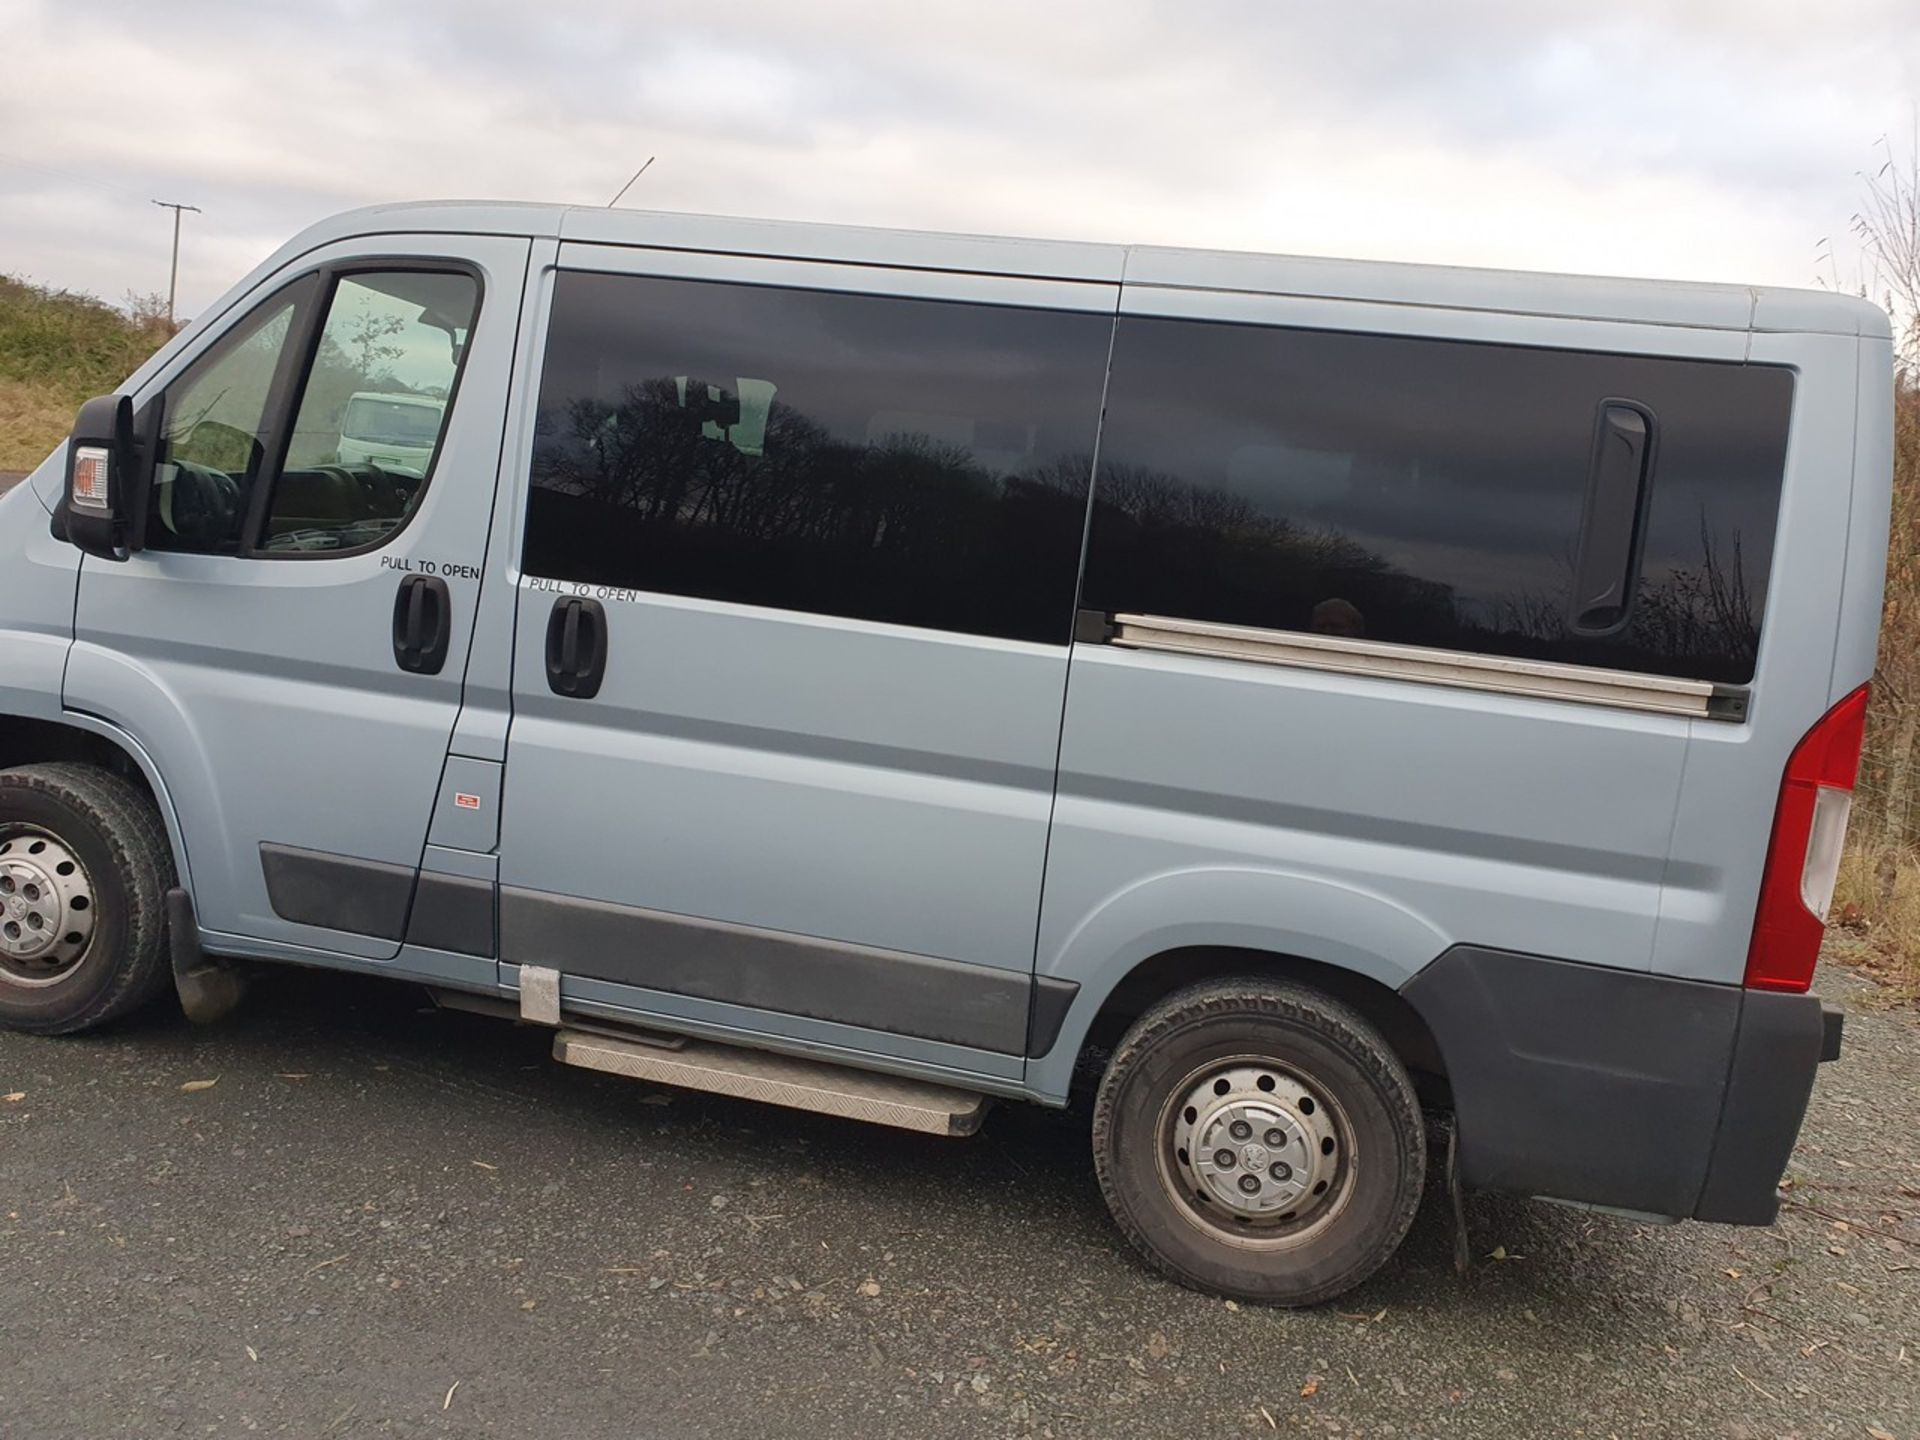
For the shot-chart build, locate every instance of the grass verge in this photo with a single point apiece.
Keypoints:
(56, 350)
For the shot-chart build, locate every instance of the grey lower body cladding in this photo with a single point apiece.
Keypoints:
(1005, 1011)
(973, 1005)
(1619, 1088)
(387, 902)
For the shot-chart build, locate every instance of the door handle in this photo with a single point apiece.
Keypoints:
(422, 624)
(1623, 444)
(576, 647)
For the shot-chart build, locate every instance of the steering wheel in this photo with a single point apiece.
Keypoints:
(201, 505)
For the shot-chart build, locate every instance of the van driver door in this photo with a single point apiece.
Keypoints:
(290, 644)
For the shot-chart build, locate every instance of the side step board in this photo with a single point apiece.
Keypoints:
(779, 1080)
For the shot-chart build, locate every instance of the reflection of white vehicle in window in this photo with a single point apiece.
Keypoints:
(395, 432)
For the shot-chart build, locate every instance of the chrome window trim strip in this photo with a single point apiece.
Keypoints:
(1536, 679)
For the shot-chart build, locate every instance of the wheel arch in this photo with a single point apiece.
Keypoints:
(1161, 975)
(1171, 930)
(28, 741)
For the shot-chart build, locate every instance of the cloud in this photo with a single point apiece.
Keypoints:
(1690, 138)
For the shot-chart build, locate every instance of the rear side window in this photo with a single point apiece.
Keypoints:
(920, 462)
(1435, 493)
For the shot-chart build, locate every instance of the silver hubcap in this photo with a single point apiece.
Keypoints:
(46, 908)
(1257, 1149)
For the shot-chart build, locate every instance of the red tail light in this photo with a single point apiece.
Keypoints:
(1803, 858)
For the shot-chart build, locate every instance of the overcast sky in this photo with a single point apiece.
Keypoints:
(1705, 139)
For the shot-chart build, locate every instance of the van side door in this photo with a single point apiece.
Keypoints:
(796, 595)
(290, 645)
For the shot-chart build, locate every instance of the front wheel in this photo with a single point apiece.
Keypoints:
(84, 869)
(1258, 1139)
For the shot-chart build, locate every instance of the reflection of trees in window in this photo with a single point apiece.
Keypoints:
(649, 455)
(1703, 612)
(1697, 622)
(642, 491)
(1163, 546)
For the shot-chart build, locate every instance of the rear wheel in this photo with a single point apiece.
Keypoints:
(84, 869)
(1258, 1139)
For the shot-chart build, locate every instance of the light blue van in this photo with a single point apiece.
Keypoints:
(880, 672)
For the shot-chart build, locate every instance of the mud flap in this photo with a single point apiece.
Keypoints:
(209, 988)
(1462, 1243)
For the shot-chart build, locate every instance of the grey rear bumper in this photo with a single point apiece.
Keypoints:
(1623, 1089)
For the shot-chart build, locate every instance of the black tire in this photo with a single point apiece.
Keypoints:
(1367, 1130)
(113, 830)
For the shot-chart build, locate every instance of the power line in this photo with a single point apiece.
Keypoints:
(69, 175)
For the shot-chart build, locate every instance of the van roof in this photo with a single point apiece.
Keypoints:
(1656, 302)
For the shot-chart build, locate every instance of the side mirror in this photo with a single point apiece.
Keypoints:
(109, 477)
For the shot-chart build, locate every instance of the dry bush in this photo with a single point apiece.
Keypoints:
(1878, 897)
(1879, 891)
(56, 350)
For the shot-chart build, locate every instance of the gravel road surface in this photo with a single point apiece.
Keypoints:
(382, 1220)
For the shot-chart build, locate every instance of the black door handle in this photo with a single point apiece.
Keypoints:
(422, 624)
(1623, 445)
(576, 647)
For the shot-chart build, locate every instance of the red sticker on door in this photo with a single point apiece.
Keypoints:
(466, 802)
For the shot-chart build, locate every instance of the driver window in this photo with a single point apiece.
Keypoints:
(373, 411)
(212, 443)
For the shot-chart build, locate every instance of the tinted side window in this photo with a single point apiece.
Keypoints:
(1428, 492)
(915, 461)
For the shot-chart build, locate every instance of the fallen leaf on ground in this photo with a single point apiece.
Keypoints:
(1499, 1252)
(484, 1166)
(1878, 1434)
(15, 1097)
(447, 1404)
(1234, 1306)
(870, 1288)
(196, 1085)
(253, 1354)
(1267, 1416)
(528, 1304)
(1311, 1388)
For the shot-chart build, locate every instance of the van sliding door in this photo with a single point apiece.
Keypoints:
(799, 559)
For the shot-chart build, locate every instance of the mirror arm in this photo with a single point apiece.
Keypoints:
(142, 465)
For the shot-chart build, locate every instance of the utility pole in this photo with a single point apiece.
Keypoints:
(173, 276)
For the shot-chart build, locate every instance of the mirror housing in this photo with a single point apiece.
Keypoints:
(109, 476)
